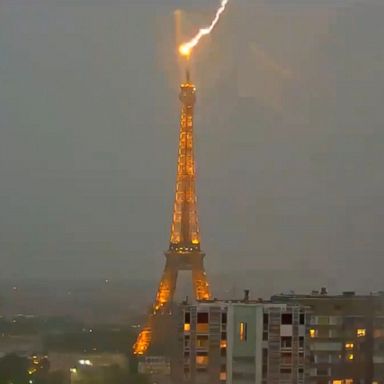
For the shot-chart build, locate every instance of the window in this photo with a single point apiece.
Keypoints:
(301, 342)
(313, 333)
(349, 345)
(201, 360)
(202, 342)
(286, 359)
(202, 317)
(223, 343)
(286, 342)
(335, 320)
(350, 356)
(224, 318)
(322, 320)
(265, 362)
(265, 326)
(333, 333)
(286, 318)
(243, 331)
(302, 318)
(322, 372)
(223, 376)
(360, 332)
(285, 371)
(202, 322)
(187, 322)
(346, 381)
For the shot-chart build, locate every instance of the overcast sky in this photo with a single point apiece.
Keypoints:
(289, 136)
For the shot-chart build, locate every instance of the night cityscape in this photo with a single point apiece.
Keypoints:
(192, 192)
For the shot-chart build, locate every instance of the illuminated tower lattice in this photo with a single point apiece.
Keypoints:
(184, 253)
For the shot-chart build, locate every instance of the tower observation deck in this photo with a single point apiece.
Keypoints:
(184, 253)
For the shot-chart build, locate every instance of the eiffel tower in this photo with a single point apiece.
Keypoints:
(184, 253)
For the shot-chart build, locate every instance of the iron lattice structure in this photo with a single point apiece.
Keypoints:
(184, 253)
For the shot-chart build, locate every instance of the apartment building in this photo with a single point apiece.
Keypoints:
(241, 342)
(345, 337)
(266, 343)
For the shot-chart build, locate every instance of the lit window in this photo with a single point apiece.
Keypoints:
(243, 331)
(349, 345)
(202, 327)
(313, 333)
(223, 343)
(350, 356)
(346, 381)
(223, 376)
(202, 360)
(202, 341)
(361, 332)
(187, 327)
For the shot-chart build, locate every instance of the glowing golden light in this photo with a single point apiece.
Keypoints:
(243, 331)
(361, 332)
(185, 49)
(143, 341)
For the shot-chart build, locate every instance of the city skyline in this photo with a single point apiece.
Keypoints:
(284, 175)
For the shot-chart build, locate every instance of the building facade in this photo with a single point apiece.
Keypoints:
(345, 337)
(295, 339)
(266, 343)
(241, 343)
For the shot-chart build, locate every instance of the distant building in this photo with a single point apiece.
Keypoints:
(345, 337)
(21, 345)
(155, 366)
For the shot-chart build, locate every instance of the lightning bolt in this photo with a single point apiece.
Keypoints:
(185, 49)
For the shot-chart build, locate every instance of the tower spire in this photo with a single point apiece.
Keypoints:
(185, 228)
(184, 252)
